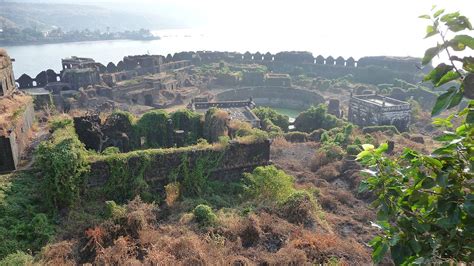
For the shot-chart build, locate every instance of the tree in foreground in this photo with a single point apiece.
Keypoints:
(425, 203)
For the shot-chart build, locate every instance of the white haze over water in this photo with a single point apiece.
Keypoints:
(330, 27)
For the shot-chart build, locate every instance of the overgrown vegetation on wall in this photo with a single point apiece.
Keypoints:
(153, 126)
(190, 122)
(63, 162)
(216, 123)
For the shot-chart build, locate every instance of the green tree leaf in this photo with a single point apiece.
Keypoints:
(458, 24)
(468, 64)
(379, 252)
(431, 31)
(470, 116)
(457, 98)
(437, 73)
(438, 13)
(449, 76)
(449, 16)
(456, 45)
(362, 155)
(425, 16)
(430, 53)
(447, 136)
(468, 205)
(443, 101)
(466, 40)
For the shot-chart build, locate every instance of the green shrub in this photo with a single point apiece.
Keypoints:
(111, 150)
(333, 151)
(353, 149)
(296, 136)
(340, 138)
(372, 129)
(300, 208)
(357, 141)
(63, 161)
(325, 137)
(24, 226)
(223, 140)
(268, 126)
(279, 120)
(315, 118)
(204, 215)
(59, 123)
(18, 258)
(316, 134)
(113, 210)
(267, 184)
(348, 130)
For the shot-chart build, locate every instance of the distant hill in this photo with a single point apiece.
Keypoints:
(45, 15)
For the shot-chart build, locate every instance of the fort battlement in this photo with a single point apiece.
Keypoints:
(138, 65)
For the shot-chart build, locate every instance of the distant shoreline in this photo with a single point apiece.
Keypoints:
(3, 44)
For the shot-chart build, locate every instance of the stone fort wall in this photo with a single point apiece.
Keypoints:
(235, 159)
(143, 64)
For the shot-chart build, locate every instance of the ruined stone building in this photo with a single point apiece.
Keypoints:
(75, 62)
(16, 117)
(80, 77)
(278, 80)
(79, 72)
(375, 110)
(239, 110)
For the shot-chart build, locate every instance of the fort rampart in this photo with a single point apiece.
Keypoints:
(132, 66)
(158, 167)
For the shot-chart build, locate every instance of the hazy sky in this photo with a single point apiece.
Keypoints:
(328, 27)
(367, 26)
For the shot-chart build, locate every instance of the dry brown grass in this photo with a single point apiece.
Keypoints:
(330, 172)
(280, 143)
(319, 159)
(61, 253)
(344, 196)
(258, 238)
(320, 248)
(172, 193)
(328, 202)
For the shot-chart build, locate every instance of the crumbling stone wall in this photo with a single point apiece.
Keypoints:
(7, 79)
(15, 142)
(235, 159)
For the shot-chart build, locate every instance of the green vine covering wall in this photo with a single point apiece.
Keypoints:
(190, 122)
(152, 126)
(63, 162)
(127, 175)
